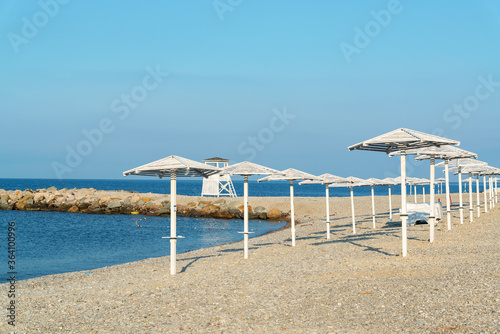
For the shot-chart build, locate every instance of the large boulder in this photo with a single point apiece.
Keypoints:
(4, 204)
(220, 201)
(241, 208)
(73, 209)
(274, 214)
(163, 211)
(260, 208)
(115, 205)
(202, 204)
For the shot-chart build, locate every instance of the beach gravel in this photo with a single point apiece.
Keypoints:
(348, 284)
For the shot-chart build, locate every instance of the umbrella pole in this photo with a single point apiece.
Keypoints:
(492, 203)
(373, 207)
(423, 193)
(292, 214)
(477, 197)
(485, 196)
(245, 216)
(173, 222)
(496, 188)
(327, 192)
(352, 212)
(461, 208)
(432, 216)
(448, 211)
(415, 192)
(471, 203)
(390, 204)
(403, 215)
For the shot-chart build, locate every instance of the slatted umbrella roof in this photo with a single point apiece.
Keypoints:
(475, 169)
(389, 181)
(463, 162)
(174, 164)
(447, 152)
(401, 139)
(326, 178)
(352, 181)
(290, 174)
(376, 182)
(248, 168)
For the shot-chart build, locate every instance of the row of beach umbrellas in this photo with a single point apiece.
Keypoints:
(400, 142)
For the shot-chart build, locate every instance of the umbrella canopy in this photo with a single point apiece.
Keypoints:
(401, 140)
(181, 166)
(463, 162)
(173, 166)
(246, 169)
(291, 175)
(352, 182)
(326, 179)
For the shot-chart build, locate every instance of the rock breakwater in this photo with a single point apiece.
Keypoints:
(89, 200)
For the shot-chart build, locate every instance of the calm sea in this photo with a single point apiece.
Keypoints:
(56, 242)
(192, 187)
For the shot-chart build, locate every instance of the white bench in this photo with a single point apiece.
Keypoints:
(422, 211)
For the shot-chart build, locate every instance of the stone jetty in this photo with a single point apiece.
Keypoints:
(127, 202)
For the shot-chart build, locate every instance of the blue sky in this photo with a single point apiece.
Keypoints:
(92, 88)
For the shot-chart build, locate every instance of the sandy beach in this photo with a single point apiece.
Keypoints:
(348, 284)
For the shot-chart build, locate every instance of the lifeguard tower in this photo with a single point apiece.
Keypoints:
(217, 184)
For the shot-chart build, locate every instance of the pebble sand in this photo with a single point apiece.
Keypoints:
(348, 284)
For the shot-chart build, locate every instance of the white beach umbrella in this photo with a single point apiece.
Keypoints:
(495, 184)
(485, 171)
(458, 166)
(174, 167)
(423, 182)
(492, 172)
(326, 179)
(402, 140)
(389, 181)
(374, 182)
(477, 171)
(247, 169)
(446, 153)
(440, 181)
(413, 181)
(352, 182)
(291, 175)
